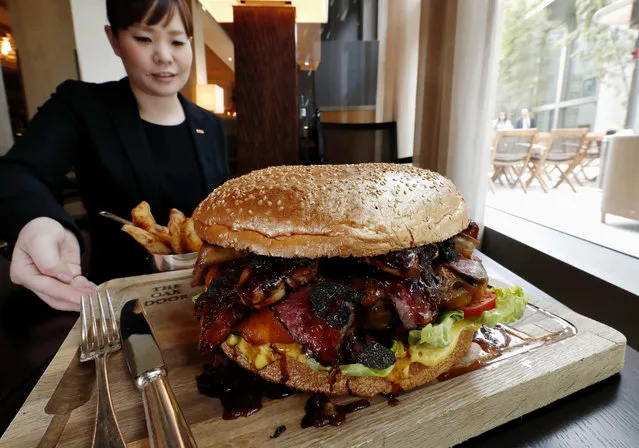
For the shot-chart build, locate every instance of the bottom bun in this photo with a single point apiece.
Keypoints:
(299, 376)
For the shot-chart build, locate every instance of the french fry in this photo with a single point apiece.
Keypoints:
(143, 218)
(162, 233)
(146, 239)
(190, 241)
(176, 220)
(178, 237)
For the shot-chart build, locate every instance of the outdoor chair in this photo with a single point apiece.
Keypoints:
(591, 153)
(561, 152)
(510, 154)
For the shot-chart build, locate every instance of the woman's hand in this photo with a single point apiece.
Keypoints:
(46, 260)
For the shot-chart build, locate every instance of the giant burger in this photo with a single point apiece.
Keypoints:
(343, 279)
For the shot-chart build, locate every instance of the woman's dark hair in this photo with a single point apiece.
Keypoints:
(124, 13)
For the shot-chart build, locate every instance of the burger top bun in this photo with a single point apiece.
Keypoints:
(332, 210)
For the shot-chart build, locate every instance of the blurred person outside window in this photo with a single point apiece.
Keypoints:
(525, 121)
(502, 123)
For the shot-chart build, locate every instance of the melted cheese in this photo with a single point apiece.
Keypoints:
(261, 356)
(430, 356)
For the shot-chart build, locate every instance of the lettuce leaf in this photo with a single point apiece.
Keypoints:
(362, 370)
(313, 364)
(511, 304)
(438, 335)
(196, 296)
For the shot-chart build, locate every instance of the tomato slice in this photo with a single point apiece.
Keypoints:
(487, 302)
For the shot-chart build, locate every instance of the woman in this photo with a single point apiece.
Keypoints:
(131, 140)
(502, 122)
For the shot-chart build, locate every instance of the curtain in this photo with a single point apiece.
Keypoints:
(458, 65)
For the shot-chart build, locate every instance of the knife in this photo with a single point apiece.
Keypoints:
(74, 390)
(165, 422)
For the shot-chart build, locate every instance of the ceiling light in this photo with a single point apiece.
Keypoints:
(307, 11)
(8, 48)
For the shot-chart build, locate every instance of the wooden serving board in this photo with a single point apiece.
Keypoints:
(56, 414)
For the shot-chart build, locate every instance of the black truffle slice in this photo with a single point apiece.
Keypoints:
(376, 356)
(333, 302)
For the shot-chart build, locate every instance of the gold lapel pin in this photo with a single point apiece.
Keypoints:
(200, 131)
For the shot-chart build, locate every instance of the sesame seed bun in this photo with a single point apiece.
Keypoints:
(303, 378)
(332, 210)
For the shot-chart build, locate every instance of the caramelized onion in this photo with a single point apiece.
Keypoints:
(208, 256)
(213, 273)
(403, 263)
(455, 292)
(263, 281)
(465, 244)
(256, 295)
(472, 230)
(302, 275)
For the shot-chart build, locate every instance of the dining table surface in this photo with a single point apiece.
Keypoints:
(603, 414)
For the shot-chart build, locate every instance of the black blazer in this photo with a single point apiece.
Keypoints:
(97, 129)
(520, 122)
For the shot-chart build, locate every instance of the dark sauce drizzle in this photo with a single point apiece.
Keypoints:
(320, 411)
(498, 342)
(278, 431)
(492, 340)
(332, 376)
(392, 400)
(284, 369)
(240, 391)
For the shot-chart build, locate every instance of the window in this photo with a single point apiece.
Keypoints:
(581, 79)
(578, 116)
(544, 120)
(582, 73)
(549, 65)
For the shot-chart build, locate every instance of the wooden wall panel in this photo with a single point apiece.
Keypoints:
(349, 116)
(45, 43)
(6, 133)
(265, 87)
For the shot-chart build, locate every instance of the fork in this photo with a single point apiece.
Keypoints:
(100, 337)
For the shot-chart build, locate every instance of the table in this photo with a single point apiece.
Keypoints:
(605, 414)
